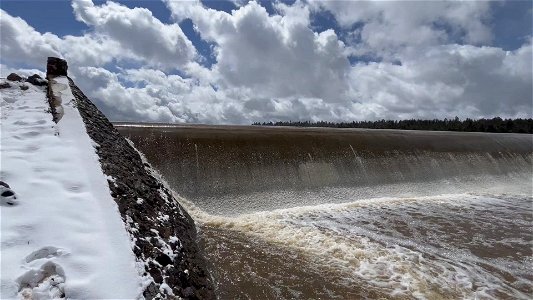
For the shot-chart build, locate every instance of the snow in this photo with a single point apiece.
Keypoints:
(165, 288)
(65, 236)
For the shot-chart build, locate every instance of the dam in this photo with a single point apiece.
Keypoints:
(291, 213)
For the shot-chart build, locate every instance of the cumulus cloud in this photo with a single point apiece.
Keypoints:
(20, 43)
(435, 61)
(93, 50)
(275, 56)
(5, 71)
(387, 28)
(450, 80)
(151, 95)
(136, 29)
(470, 86)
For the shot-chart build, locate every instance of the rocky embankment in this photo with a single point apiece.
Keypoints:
(163, 234)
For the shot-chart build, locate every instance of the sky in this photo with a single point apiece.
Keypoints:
(240, 61)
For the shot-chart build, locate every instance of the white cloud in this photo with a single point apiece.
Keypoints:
(137, 30)
(117, 100)
(20, 43)
(93, 50)
(275, 56)
(153, 96)
(275, 67)
(5, 71)
(450, 80)
(387, 28)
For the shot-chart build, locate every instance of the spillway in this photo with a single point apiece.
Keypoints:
(220, 163)
(351, 213)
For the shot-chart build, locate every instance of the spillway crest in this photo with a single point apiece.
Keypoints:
(210, 163)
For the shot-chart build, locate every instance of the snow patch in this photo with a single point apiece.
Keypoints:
(174, 239)
(163, 218)
(66, 237)
(164, 288)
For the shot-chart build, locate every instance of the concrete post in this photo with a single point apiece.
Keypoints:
(56, 67)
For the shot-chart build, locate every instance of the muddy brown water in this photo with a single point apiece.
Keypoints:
(288, 213)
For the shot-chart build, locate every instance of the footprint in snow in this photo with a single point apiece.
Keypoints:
(10, 99)
(19, 122)
(47, 282)
(7, 195)
(73, 187)
(31, 134)
(23, 123)
(31, 148)
(45, 252)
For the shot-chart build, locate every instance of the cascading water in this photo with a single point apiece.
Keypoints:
(343, 214)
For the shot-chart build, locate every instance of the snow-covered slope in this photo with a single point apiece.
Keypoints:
(65, 236)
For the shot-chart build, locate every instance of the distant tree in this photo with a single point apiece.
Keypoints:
(480, 125)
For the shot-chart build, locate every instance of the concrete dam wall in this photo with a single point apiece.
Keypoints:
(219, 163)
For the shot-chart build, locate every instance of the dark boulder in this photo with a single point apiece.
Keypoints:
(56, 67)
(14, 77)
(36, 80)
(163, 260)
(5, 85)
(24, 87)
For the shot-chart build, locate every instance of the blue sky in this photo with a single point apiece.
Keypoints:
(244, 79)
(511, 20)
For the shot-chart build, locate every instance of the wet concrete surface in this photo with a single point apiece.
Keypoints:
(214, 161)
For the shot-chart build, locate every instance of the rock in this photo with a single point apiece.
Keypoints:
(36, 80)
(5, 85)
(188, 292)
(163, 259)
(24, 87)
(151, 292)
(14, 77)
(56, 67)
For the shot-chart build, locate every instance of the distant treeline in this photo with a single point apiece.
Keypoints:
(470, 125)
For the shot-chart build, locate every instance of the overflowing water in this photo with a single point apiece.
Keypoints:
(448, 246)
(413, 221)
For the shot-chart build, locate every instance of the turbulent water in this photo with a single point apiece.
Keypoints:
(442, 247)
(462, 230)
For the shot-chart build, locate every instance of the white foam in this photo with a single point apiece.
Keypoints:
(231, 205)
(331, 237)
